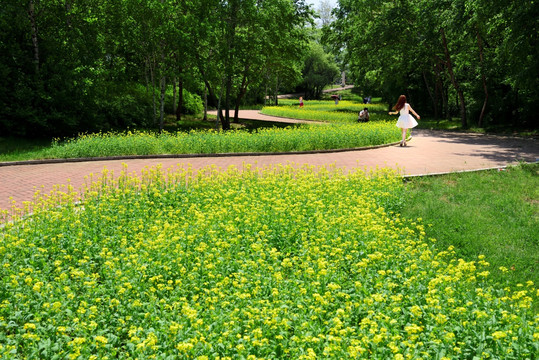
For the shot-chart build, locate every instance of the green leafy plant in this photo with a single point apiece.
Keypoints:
(297, 262)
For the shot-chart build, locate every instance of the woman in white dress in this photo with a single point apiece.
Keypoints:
(405, 121)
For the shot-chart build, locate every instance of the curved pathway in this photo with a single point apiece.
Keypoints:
(257, 115)
(429, 152)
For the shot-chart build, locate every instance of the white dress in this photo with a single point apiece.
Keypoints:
(406, 121)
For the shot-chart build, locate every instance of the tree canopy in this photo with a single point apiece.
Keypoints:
(84, 65)
(74, 66)
(474, 59)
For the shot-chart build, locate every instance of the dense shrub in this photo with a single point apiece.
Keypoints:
(122, 106)
(192, 103)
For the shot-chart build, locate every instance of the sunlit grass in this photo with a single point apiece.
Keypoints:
(303, 138)
(344, 112)
(474, 213)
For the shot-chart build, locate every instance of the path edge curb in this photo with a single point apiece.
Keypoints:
(441, 173)
(186, 156)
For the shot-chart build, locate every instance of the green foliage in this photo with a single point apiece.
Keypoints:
(434, 50)
(319, 70)
(79, 66)
(192, 103)
(123, 105)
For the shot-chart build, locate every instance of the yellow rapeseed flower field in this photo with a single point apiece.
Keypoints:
(284, 262)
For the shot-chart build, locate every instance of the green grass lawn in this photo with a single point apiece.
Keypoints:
(13, 148)
(491, 213)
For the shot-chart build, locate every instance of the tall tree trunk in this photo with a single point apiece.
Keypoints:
(146, 77)
(448, 114)
(152, 79)
(277, 90)
(214, 98)
(515, 114)
(431, 96)
(226, 123)
(205, 118)
(440, 85)
(209, 88)
(460, 93)
(34, 33)
(241, 94)
(230, 33)
(163, 82)
(483, 79)
(174, 94)
(437, 90)
(219, 112)
(237, 107)
(180, 100)
(266, 92)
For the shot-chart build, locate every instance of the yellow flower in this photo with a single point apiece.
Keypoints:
(29, 326)
(416, 310)
(413, 329)
(101, 340)
(184, 347)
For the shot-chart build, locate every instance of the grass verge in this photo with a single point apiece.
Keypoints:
(491, 213)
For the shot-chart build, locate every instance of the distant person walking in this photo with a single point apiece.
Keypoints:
(405, 121)
(300, 102)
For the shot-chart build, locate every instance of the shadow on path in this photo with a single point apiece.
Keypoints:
(497, 148)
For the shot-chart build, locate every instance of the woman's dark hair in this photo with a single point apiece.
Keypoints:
(400, 103)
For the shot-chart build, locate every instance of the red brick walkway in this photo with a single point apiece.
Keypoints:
(429, 152)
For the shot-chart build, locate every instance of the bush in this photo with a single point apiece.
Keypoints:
(124, 105)
(192, 103)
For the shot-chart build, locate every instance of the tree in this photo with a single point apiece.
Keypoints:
(473, 56)
(319, 70)
(324, 13)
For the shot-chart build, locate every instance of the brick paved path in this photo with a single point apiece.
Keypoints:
(429, 152)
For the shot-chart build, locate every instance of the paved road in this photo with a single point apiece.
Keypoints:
(429, 152)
